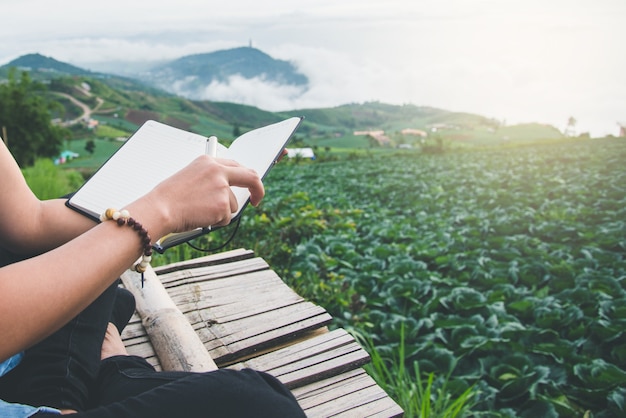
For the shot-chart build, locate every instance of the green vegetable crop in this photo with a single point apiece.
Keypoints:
(505, 268)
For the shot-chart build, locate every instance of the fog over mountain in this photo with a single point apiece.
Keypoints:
(228, 75)
(239, 75)
(516, 61)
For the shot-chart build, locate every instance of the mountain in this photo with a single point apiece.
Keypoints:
(190, 75)
(40, 63)
(46, 69)
(195, 77)
(124, 102)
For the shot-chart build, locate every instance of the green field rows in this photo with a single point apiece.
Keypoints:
(505, 268)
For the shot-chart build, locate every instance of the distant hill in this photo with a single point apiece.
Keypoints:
(42, 68)
(125, 103)
(189, 75)
(38, 62)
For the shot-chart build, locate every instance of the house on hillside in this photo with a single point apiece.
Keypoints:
(65, 156)
(415, 132)
(91, 123)
(301, 153)
(370, 133)
(434, 127)
(379, 136)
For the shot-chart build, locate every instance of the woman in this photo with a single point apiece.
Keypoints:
(57, 305)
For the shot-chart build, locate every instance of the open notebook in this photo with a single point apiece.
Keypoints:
(156, 151)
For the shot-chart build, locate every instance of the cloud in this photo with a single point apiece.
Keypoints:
(256, 92)
(99, 50)
(520, 61)
(334, 79)
(337, 78)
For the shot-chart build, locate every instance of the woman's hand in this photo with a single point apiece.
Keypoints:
(199, 195)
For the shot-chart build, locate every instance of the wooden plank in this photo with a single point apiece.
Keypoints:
(231, 347)
(358, 399)
(138, 343)
(326, 367)
(135, 336)
(323, 391)
(173, 339)
(212, 259)
(246, 316)
(244, 333)
(230, 299)
(134, 329)
(232, 290)
(232, 308)
(237, 315)
(366, 402)
(320, 344)
(242, 325)
(350, 394)
(236, 268)
(309, 361)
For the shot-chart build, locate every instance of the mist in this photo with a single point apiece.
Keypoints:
(514, 61)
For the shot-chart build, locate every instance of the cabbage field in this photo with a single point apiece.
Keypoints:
(504, 268)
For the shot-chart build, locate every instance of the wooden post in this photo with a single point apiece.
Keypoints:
(174, 340)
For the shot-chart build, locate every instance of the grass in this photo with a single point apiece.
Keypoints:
(47, 181)
(419, 397)
(90, 162)
(440, 393)
(108, 131)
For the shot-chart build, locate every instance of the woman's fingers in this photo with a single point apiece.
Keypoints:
(201, 194)
(248, 178)
(227, 162)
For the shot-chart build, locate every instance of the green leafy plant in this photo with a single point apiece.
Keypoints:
(418, 397)
(501, 270)
(48, 181)
(25, 114)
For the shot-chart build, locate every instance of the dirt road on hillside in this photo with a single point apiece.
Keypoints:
(87, 111)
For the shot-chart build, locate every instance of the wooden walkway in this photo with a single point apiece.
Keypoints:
(245, 316)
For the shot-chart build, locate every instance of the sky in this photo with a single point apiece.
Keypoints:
(516, 61)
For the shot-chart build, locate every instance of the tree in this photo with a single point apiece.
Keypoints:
(570, 128)
(26, 121)
(90, 146)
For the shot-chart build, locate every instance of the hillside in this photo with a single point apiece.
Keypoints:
(121, 104)
(189, 75)
(41, 64)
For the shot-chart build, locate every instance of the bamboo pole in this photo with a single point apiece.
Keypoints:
(174, 340)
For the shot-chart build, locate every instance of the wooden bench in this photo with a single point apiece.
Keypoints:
(243, 315)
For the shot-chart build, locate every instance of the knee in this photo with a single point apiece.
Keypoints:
(258, 394)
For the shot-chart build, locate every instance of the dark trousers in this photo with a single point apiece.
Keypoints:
(60, 371)
(130, 388)
(65, 371)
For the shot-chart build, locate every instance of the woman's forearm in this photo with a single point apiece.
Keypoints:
(50, 289)
(29, 226)
(44, 292)
(55, 225)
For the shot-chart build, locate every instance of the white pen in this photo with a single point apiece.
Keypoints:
(211, 146)
(211, 151)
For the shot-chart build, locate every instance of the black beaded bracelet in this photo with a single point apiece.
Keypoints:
(122, 218)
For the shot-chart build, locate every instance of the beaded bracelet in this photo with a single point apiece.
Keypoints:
(122, 218)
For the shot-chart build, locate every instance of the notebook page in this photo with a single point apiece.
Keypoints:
(152, 154)
(259, 149)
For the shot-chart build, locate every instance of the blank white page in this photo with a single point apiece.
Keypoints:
(153, 153)
(259, 149)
